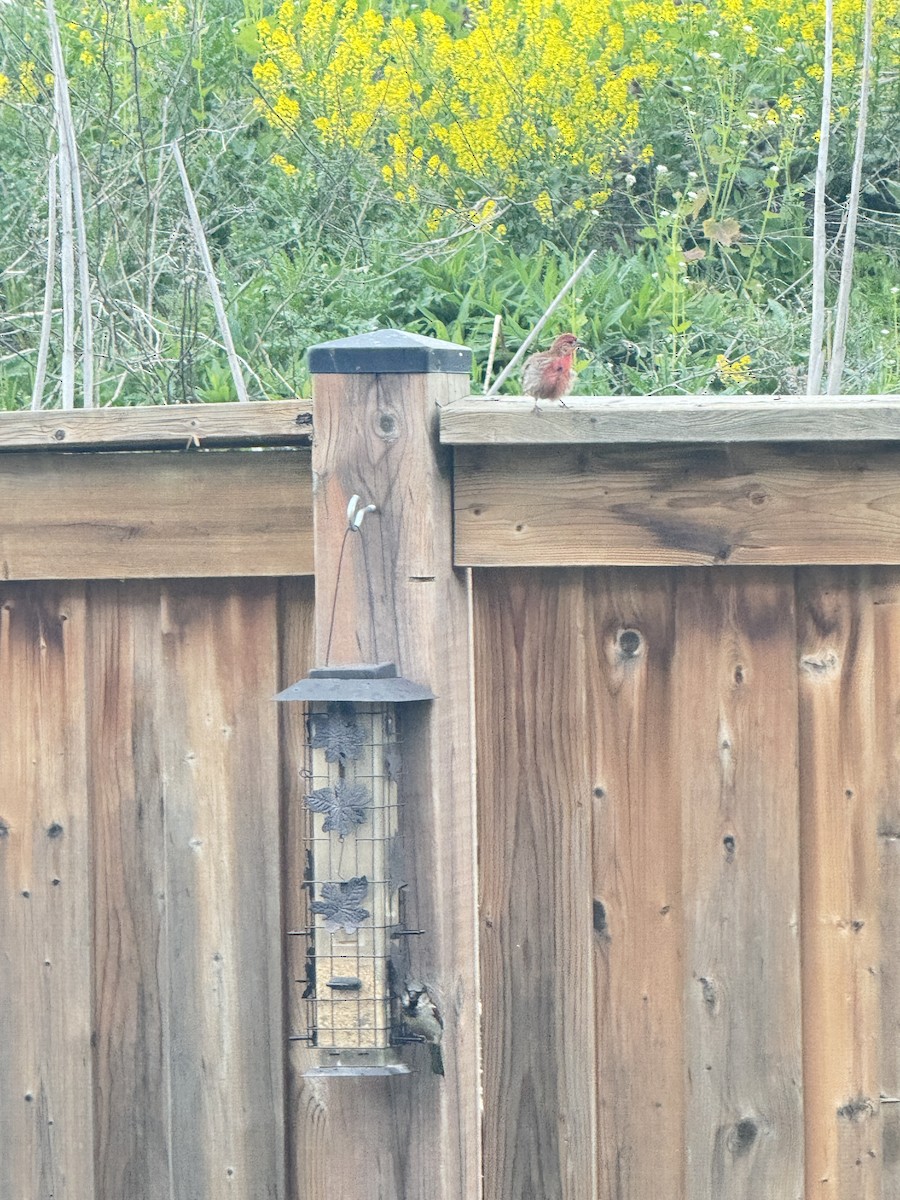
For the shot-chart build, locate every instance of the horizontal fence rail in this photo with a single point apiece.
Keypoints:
(514, 420)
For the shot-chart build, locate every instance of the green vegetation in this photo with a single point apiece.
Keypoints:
(359, 165)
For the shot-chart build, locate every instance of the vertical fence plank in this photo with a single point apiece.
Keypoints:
(46, 1138)
(536, 887)
(638, 914)
(735, 708)
(838, 784)
(886, 622)
(130, 942)
(221, 784)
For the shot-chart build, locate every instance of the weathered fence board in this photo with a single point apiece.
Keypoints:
(272, 422)
(840, 911)
(536, 909)
(647, 420)
(676, 506)
(221, 779)
(46, 1111)
(131, 948)
(735, 707)
(637, 892)
(733, 806)
(885, 597)
(155, 515)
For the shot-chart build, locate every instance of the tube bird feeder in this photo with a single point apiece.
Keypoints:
(352, 856)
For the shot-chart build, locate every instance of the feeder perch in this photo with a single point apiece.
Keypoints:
(353, 831)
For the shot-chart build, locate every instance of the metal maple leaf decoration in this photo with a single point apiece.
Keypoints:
(338, 733)
(344, 806)
(340, 905)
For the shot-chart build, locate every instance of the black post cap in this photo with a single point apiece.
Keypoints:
(389, 351)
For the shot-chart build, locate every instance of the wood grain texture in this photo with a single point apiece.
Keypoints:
(400, 600)
(220, 779)
(637, 894)
(188, 995)
(45, 927)
(659, 419)
(676, 506)
(735, 718)
(157, 515)
(272, 422)
(536, 887)
(839, 866)
(131, 947)
(885, 595)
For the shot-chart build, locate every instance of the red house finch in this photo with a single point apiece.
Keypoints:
(548, 375)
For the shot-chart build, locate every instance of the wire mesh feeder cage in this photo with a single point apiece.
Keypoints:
(351, 879)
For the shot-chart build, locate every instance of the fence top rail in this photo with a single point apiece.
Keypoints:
(621, 420)
(164, 426)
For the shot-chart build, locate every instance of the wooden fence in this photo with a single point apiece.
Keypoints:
(666, 938)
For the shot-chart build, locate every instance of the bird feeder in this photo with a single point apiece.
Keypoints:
(352, 852)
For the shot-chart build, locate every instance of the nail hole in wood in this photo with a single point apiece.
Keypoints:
(728, 843)
(55, 830)
(599, 793)
(600, 925)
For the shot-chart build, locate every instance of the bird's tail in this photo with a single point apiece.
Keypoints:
(437, 1059)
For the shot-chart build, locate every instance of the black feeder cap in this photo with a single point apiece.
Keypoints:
(364, 683)
(389, 352)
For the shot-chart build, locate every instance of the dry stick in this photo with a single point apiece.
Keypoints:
(517, 357)
(842, 313)
(206, 259)
(40, 371)
(68, 147)
(67, 267)
(498, 321)
(154, 216)
(817, 330)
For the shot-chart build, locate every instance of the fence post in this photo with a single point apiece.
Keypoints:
(390, 593)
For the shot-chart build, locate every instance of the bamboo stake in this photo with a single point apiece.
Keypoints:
(498, 321)
(67, 266)
(206, 259)
(817, 330)
(40, 371)
(68, 148)
(842, 313)
(517, 357)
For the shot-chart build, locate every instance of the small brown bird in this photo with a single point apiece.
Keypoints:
(422, 1018)
(549, 374)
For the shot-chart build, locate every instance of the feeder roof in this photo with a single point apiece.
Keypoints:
(365, 683)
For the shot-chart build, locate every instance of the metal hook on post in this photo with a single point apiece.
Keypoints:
(356, 515)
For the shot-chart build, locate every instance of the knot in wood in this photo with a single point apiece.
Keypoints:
(742, 1136)
(629, 642)
(386, 425)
